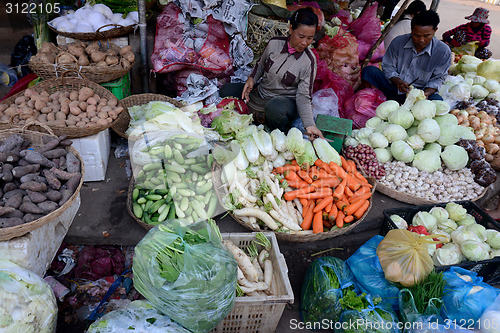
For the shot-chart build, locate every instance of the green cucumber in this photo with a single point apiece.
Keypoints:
(136, 208)
(211, 206)
(178, 157)
(184, 204)
(171, 212)
(135, 194)
(154, 197)
(154, 207)
(205, 188)
(167, 152)
(164, 214)
(151, 166)
(178, 211)
(141, 200)
(174, 168)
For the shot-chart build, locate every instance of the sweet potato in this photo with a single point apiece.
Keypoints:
(6, 210)
(11, 186)
(7, 222)
(10, 194)
(31, 217)
(35, 157)
(52, 180)
(20, 171)
(30, 208)
(11, 142)
(6, 174)
(72, 183)
(53, 195)
(14, 201)
(72, 163)
(33, 177)
(48, 206)
(23, 162)
(36, 197)
(65, 142)
(33, 186)
(62, 175)
(16, 213)
(55, 153)
(9, 156)
(62, 163)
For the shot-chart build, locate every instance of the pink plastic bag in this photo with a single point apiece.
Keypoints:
(325, 79)
(366, 29)
(362, 105)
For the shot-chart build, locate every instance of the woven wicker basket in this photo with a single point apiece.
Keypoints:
(118, 31)
(92, 73)
(261, 30)
(36, 139)
(289, 237)
(123, 121)
(131, 187)
(64, 84)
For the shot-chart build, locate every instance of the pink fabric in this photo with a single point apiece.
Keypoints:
(291, 50)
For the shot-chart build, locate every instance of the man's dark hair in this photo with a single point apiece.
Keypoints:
(304, 16)
(426, 18)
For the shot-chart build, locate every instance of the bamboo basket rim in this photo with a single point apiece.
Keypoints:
(121, 126)
(20, 230)
(290, 237)
(120, 30)
(61, 84)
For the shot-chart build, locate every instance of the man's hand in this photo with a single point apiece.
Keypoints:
(429, 91)
(313, 132)
(247, 88)
(400, 84)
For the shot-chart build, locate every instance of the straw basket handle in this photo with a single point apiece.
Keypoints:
(72, 71)
(33, 122)
(99, 32)
(11, 119)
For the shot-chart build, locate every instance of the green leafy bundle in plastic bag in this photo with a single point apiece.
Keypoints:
(186, 273)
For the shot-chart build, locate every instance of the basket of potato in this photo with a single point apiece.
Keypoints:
(97, 61)
(69, 106)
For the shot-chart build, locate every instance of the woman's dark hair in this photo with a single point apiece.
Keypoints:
(305, 16)
(415, 7)
(426, 18)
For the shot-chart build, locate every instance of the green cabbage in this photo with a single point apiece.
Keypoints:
(383, 155)
(478, 79)
(229, 123)
(381, 126)
(384, 109)
(448, 254)
(427, 161)
(399, 221)
(457, 212)
(450, 134)
(447, 225)
(460, 91)
(425, 219)
(413, 97)
(478, 229)
(492, 86)
(326, 152)
(415, 142)
(493, 238)
(365, 142)
(467, 133)
(446, 119)
(442, 107)
(439, 213)
(309, 155)
(402, 117)
(412, 130)
(478, 91)
(475, 251)
(424, 109)
(378, 140)
(468, 219)
(469, 63)
(394, 132)
(363, 133)
(461, 235)
(490, 69)
(455, 157)
(433, 146)
(429, 130)
(372, 123)
(351, 142)
(401, 151)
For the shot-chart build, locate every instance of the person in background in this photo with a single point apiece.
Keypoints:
(416, 59)
(403, 26)
(475, 30)
(286, 70)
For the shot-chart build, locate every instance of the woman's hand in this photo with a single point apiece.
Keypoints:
(313, 132)
(247, 89)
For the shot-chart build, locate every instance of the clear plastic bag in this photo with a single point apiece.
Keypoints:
(490, 319)
(197, 287)
(404, 256)
(27, 303)
(466, 296)
(466, 49)
(365, 267)
(408, 309)
(139, 316)
(325, 102)
(325, 279)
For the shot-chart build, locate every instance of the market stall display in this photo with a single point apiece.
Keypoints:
(96, 61)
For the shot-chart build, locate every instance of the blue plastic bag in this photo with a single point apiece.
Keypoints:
(370, 278)
(465, 301)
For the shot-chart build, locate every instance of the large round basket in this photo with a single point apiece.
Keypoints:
(92, 73)
(221, 191)
(116, 31)
(411, 199)
(261, 30)
(131, 187)
(36, 139)
(123, 121)
(64, 84)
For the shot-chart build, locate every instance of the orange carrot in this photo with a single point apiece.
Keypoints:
(351, 165)
(282, 169)
(339, 220)
(315, 195)
(313, 172)
(294, 162)
(291, 175)
(323, 203)
(341, 204)
(326, 182)
(307, 221)
(304, 203)
(320, 164)
(323, 174)
(348, 192)
(361, 210)
(289, 196)
(318, 222)
(361, 190)
(325, 215)
(339, 191)
(345, 166)
(348, 218)
(297, 183)
(305, 167)
(337, 170)
(305, 176)
(352, 182)
(333, 213)
(364, 196)
(353, 207)
(328, 207)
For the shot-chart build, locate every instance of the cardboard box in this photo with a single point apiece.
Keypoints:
(94, 151)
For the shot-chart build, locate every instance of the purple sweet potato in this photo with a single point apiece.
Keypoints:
(20, 171)
(7, 222)
(72, 183)
(53, 195)
(31, 217)
(14, 201)
(55, 153)
(12, 142)
(23, 162)
(6, 174)
(51, 144)
(72, 163)
(30, 208)
(48, 206)
(63, 175)
(34, 186)
(33, 177)
(10, 194)
(9, 156)
(9, 187)
(52, 179)
(66, 142)
(66, 195)
(6, 210)
(36, 197)
(62, 163)
(35, 157)
(16, 213)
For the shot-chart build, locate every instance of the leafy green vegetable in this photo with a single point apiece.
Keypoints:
(229, 123)
(431, 288)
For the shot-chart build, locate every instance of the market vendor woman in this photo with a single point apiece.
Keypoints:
(286, 70)
(417, 59)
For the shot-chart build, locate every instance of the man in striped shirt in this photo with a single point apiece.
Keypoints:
(476, 30)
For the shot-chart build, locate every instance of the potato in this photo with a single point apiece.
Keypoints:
(39, 104)
(92, 101)
(3, 107)
(102, 115)
(80, 124)
(10, 111)
(21, 99)
(70, 122)
(4, 118)
(111, 53)
(51, 117)
(103, 102)
(73, 117)
(31, 104)
(94, 46)
(91, 108)
(109, 120)
(42, 118)
(102, 122)
(113, 102)
(112, 60)
(94, 119)
(73, 96)
(84, 94)
(30, 92)
(106, 109)
(83, 60)
(82, 106)
(125, 50)
(101, 64)
(60, 116)
(125, 63)
(48, 47)
(65, 58)
(46, 110)
(75, 110)
(97, 56)
(130, 57)
(76, 50)
(113, 114)
(60, 123)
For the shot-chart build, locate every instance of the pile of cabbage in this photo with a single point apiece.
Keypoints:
(253, 145)
(465, 240)
(420, 132)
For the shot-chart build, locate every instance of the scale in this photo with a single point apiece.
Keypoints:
(334, 129)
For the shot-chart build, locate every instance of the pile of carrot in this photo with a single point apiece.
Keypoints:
(331, 195)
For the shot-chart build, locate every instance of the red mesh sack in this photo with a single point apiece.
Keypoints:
(206, 50)
(325, 79)
(361, 106)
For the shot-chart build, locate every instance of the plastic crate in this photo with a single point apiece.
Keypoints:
(488, 269)
(259, 313)
(119, 87)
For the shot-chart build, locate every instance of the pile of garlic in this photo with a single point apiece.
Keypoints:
(441, 186)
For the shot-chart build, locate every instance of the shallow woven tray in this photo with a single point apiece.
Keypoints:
(289, 237)
(121, 124)
(36, 139)
(64, 84)
(131, 187)
(118, 31)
